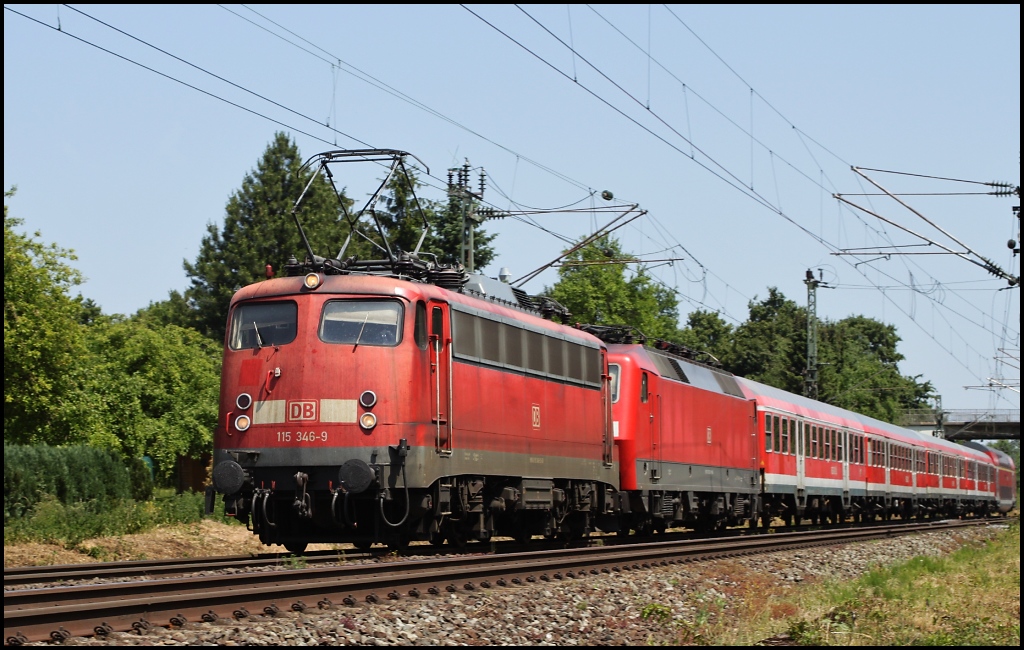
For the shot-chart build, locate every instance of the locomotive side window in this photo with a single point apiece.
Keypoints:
(437, 322)
(420, 328)
(513, 337)
(535, 351)
(361, 322)
(257, 325)
(556, 356)
(613, 370)
(593, 366)
(464, 333)
(490, 337)
(643, 387)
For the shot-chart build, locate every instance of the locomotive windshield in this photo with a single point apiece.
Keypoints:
(257, 325)
(359, 322)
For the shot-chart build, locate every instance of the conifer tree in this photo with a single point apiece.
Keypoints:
(259, 229)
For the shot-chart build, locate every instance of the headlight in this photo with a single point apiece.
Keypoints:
(368, 420)
(243, 402)
(368, 399)
(312, 280)
(243, 422)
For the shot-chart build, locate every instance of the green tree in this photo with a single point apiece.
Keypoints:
(706, 331)
(770, 347)
(43, 337)
(860, 370)
(399, 214)
(153, 390)
(612, 294)
(858, 359)
(259, 230)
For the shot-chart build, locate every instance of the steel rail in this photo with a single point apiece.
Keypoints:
(57, 613)
(54, 575)
(61, 572)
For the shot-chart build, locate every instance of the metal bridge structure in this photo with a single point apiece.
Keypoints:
(965, 424)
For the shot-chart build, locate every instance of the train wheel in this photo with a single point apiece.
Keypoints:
(437, 539)
(296, 548)
(363, 545)
(399, 543)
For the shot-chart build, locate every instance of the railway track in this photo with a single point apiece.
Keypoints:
(70, 574)
(57, 613)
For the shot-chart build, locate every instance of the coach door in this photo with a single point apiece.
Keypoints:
(440, 376)
(801, 450)
(844, 458)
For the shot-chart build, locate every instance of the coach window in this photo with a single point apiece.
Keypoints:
(643, 388)
(767, 432)
(807, 439)
(777, 434)
(784, 448)
(613, 371)
(839, 445)
(814, 442)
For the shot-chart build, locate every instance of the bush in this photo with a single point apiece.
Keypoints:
(70, 475)
(71, 524)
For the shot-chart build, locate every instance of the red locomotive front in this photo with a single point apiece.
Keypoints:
(370, 409)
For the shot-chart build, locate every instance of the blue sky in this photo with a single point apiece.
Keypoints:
(732, 126)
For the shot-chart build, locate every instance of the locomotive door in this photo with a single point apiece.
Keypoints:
(440, 376)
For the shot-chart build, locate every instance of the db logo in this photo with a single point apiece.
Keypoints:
(301, 411)
(536, 416)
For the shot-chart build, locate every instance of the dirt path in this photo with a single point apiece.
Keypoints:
(203, 539)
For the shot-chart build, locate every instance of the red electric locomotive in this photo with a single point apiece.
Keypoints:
(398, 399)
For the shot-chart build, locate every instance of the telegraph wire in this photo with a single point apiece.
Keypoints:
(380, 85)
(218, 97)
(174, 79)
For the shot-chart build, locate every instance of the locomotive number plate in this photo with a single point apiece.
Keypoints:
(299, 437)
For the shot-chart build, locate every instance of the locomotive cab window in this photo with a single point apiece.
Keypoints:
(257, 325)
(361, 322)
(420, 328)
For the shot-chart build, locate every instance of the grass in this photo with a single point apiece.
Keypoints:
(970, 597)
(51, 521)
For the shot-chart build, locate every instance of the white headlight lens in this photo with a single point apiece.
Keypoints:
(243, 422)
(312, 280)
(368, 420)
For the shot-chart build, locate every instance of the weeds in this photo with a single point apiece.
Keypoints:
(295, 562)
(71, 524)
